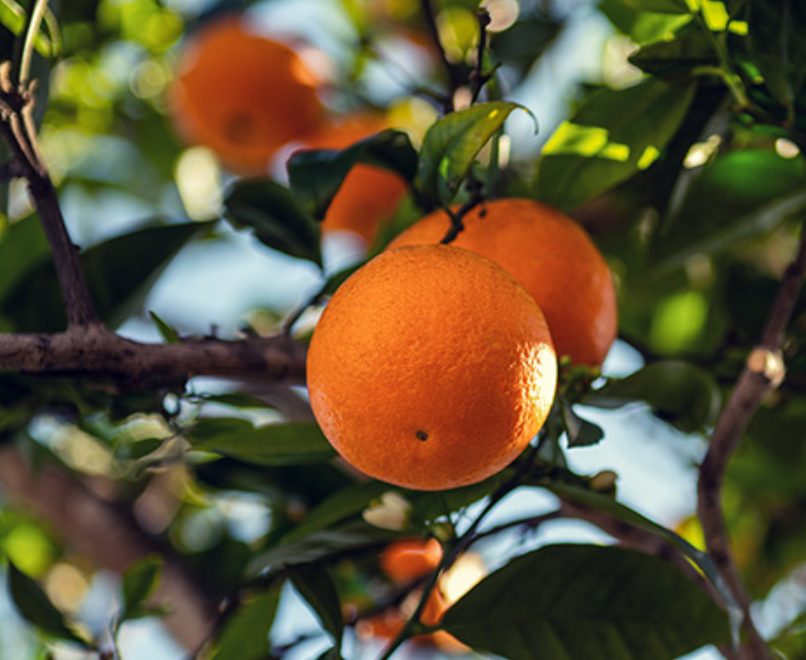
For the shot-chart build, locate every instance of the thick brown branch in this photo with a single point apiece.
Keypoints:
(93, 352)
(97, 530)
(762, 373)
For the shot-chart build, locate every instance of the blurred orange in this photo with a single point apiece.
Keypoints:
(369, 195)
(410, 559)
(242, 95)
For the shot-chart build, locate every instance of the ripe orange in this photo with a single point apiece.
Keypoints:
(242, 95)
(410, 559)
(431, 368)
(552, 257)
(369, 195)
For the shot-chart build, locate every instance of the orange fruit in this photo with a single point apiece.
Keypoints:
(552, 257)
(431, 368)
(369, 195)
(242, 95)
(434, 610)
(410, 559)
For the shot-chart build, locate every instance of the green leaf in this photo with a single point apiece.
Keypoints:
(660, 6)
(451, 145)
(344, 504)
(613, 135)
(688, 50)
(643, 27)
(316, 175)
(525, 42)
(584, 602)
(580, 432)
(119, 273)
(739, 196)
(35, 606)
(683, 394)
(315, 585)
(274, 215)
(273, 444)
(169, 334)
(246, 632)
(618, 511)
(139, 582)
(321, 544)
(776, 29)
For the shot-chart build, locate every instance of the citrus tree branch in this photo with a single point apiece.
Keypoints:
(99, 530)
(762, 373)
(17, 129)
(454, 73)
(95, 353)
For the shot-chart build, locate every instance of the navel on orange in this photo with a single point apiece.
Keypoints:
(431, 368)
(242, 94)
(552, 257)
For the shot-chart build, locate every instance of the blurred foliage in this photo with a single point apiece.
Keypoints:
(684, 163)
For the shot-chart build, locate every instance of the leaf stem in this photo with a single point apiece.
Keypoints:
(32, 29)
(725, 69)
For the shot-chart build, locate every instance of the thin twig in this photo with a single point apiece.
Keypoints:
(457, 216)
(16, 128)
(478, 77)
(454, 72)
(762, 373)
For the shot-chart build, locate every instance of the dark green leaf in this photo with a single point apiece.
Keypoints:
(272, 444)
(739, 196)
(169, 334)
(119, 273)
(607, 504)
(34, 604)
(272, 212)
(451, 145)
(689, 49)
(776, 29)
(209, 429)
(612, 136)
(581, 602)
(322, 544)
(246, 633)
(316, 586)
(683, 394)
(316, 176)
(523, 43)
(139, 582)
(345, 504)
(580, 432)
(237, 400)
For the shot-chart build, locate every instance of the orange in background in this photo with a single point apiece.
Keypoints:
(369, 195)
(410, 559)
(242, 95)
